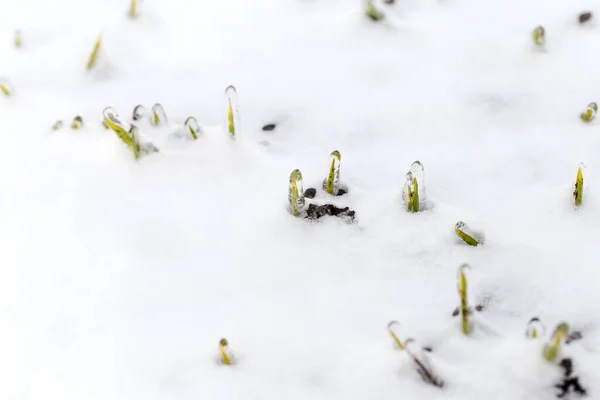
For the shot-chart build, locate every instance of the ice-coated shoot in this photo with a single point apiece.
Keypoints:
(578, 189)
(128, 133)
(413, 191)
(5, 87)
(139, 112)
(57, 125)
(372, 12)
(94, 55)
(390, 328)
(552, 348)
(18, 39)
(224, 350)
(120, 127)
(466, 326)
(590, 113)
(296, 193)
(535, 329)
(191, 126)
(232, 111)
(539, 36)
(77, 122)
(468, 235)
(332, 183)
(133, 9)
(159, 116)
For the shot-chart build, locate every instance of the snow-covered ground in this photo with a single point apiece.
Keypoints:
(118, 278)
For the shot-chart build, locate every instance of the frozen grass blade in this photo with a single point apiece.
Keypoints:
(590, 113)
(191, 125)
(18, 39)
(464, 304)
(94, 56)
(121, 128)
(539, 36)
(128, 133)
(415, 196)
(77, 122)
(552, 348)
(233, 116)
(578, 190)
(159, 116)
(390, 329)
(133, 9)
(57, 125)
(411, 192)
(6, 88)
(535, 328)
(469, 236)
(296, 193)
(332, 183)
(372, 12)
(224, 350)
(139, 112)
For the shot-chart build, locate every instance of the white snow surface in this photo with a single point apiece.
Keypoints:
(118, 278)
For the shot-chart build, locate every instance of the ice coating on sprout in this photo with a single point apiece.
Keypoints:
(113, 120)
(332, 182)
(469, 235)
(535, 329)
(139, 112)
(5, 87)
(159, 116)
(392, 329)
(233, 116)
(192, 127)
(539, 36)
(409, 189)
(296, 193)
(466, 324)
(553, 346)
(77, 122)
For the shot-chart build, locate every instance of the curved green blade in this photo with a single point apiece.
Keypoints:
(461, 230)
(578, 192)
(159, 116)
(464, 304)
(5, 88)
(192, 127)
(296, 193)
(590, 113)
(372, 12)
(332, 184)
(539, 36)
(77, 122)
(551, 350)
(232, 110)
(94, 55)
(535, 328)
(133, 9)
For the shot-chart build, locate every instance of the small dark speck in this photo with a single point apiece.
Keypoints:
(269, 127)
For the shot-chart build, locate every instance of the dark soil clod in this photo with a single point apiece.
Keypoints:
(317, 211)
(585, 17)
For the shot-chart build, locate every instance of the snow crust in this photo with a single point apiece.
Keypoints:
(118, 279)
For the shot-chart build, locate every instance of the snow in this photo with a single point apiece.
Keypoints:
(118, 278)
